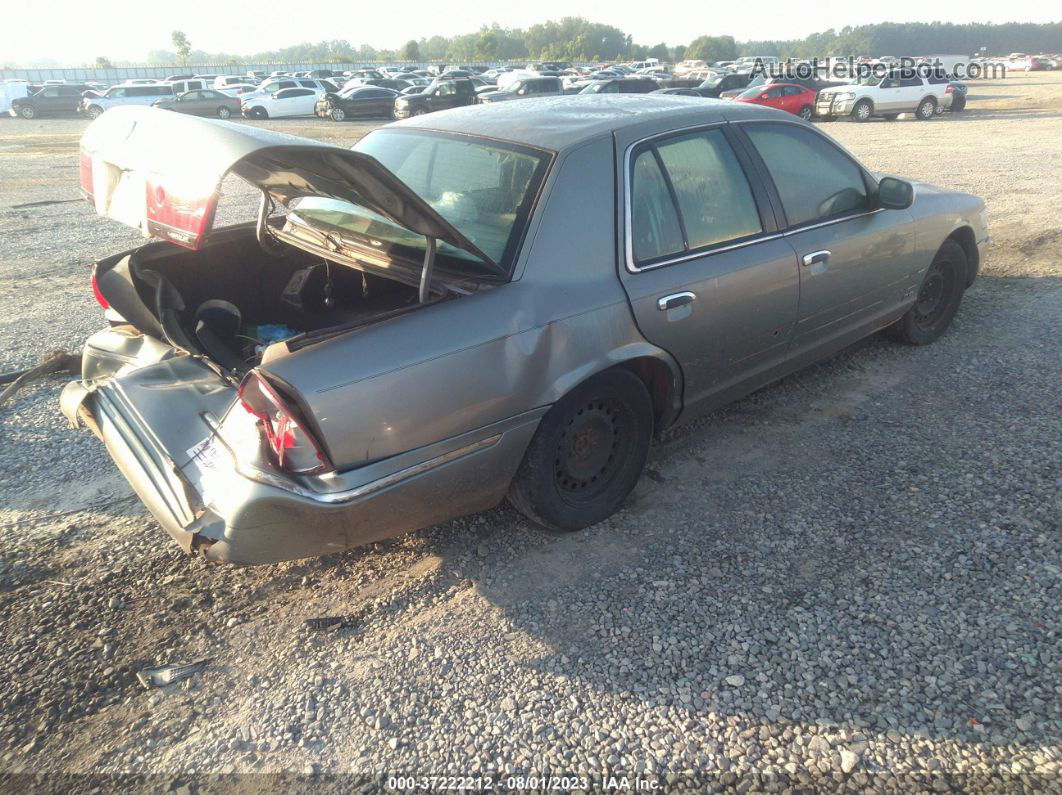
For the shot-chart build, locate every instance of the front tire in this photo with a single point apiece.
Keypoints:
(27, 112)
(587, 454)
(863, 110)
(418, 112)
(938, 298)
(94, 112)
(927, 108)
(337, 114)
(224, 113)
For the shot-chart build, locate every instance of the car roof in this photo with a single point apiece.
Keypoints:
(558, 123)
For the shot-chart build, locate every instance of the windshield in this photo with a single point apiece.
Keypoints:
(483, 189)
(594, 88)
(752, 93)
(712, 82)
(869, 80)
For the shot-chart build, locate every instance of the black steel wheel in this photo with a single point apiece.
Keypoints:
(587, 454)
(938, 298)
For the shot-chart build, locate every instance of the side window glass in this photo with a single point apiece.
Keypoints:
(655, 230)
(714, 198)
(814, 178)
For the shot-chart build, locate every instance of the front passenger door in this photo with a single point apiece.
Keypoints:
(857, 263)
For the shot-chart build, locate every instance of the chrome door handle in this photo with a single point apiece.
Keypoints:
(674, 301)
(816, 257)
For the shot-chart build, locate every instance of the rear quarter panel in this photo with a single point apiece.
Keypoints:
(466, 363)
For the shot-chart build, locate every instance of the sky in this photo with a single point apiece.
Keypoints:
(74, 31)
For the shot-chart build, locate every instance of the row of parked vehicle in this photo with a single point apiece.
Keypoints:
(391, 92)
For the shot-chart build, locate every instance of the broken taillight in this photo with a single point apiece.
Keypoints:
(292, 446)
(950, 88)
(96, 290)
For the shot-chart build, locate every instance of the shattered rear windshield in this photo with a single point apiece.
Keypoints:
(484, 189)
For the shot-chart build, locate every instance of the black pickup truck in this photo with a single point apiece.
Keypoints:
(437, 95)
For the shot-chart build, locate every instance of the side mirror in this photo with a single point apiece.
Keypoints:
(895, 194)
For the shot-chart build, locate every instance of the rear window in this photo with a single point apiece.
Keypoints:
(484, 189)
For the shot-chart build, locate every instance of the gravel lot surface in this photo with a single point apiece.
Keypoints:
(851, 579)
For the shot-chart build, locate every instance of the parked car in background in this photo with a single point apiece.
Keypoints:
(204, 102)
(272, 86)
(190, 84)
(784, 96)
(678, 92)
(48, 101)
(358, 102)
(956, 88)
(725, 81)
(463, 325)
(257, 75)
(224, 81)
(524, 88)
(128, 94)
(621, 85)
(238, 89)
(437, 95)
(886, 96)
(285, 103)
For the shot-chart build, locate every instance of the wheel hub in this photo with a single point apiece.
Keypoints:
(931, 298)
(587, 450)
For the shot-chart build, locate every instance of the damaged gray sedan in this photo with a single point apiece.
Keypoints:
(487, 302)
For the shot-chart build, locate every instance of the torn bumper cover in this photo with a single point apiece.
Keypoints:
(190, 479)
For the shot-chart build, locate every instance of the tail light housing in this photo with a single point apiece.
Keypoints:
(104, 305)
(291, 445)
(949, 88)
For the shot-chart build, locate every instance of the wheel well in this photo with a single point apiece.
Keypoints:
(660, 384)
(964, 236)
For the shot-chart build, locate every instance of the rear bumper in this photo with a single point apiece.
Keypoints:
(228, 515)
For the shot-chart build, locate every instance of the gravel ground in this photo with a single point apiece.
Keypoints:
(848, 580)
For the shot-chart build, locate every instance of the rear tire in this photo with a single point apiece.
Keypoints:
(587, 454)
(224, 113)
(27, 112)
(806, 112)
(958, 104)
(938, 298)
(863, 110)
(927, 108)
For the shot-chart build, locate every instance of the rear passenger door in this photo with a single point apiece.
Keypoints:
(857, 261)
(709, 277)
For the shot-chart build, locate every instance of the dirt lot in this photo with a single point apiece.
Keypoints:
(850, 579)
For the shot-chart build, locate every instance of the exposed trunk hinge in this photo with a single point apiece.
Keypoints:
(268, 243)
(429, 265)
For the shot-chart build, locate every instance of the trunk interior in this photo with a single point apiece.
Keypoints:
(237, 299)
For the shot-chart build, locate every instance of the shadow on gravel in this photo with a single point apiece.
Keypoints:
(871, 544)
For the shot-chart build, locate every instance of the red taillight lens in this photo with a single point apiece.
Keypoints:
(96, 290)
(292, 446)
(85, 166)
(949, 89)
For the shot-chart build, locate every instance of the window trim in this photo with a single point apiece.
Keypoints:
(761, 197)
(787, 229)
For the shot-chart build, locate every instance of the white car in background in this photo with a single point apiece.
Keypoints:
(238, 89)
(125, 94)
(272, 85)
(286, 103)
(887, 96)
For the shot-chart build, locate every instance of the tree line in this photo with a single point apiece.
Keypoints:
(578, 39)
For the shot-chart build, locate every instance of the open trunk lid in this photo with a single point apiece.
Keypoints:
(161, 172)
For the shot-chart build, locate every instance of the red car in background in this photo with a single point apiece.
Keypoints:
(789, 97)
